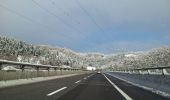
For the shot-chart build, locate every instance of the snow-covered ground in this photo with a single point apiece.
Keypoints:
(158, 84)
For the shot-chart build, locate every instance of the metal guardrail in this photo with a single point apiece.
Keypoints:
(162, 69)
(149, 70)
(37, 66)
(11, 70)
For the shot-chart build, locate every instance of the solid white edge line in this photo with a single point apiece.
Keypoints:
(143, 87)
(78, 81)
(118, 89)
(56, 91)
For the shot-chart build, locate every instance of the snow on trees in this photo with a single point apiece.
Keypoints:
(15, 50)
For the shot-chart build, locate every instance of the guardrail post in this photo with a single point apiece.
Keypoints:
(31, 73)
(37, 68)
(129, 72)
(133, 71)
(148, 71)
(55, 69)
(0, 66)
(22, 71)
(126, 71)
(73, 70)
(67, 70)
(162, 70)
(48, 69)
(137, 71)
(70, 71)
(61, 71)
(64, 70)
(1, 72)
(165, 71)
(22, 67)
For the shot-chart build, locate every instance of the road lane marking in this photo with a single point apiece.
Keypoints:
(56, 91)
(78, 81)
(90, 75)
(143, 87)
(118, 89)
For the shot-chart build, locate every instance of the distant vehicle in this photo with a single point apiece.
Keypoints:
(98, 72)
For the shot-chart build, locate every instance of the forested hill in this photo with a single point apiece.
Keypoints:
(15, 50)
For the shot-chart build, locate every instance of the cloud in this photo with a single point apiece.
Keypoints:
(125, 46)
(103, 25)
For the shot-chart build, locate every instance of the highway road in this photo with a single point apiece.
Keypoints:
(93, 86)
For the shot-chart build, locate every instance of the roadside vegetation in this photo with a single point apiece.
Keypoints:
(15, 50)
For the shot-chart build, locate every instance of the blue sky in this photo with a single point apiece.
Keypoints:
(106, 26)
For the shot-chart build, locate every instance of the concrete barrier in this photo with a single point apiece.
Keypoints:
(28, 74)
(155, 81)
(12, 70)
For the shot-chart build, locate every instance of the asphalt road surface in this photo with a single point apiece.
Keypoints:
(81, 87)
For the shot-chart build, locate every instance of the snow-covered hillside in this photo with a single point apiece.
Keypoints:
(15, 50)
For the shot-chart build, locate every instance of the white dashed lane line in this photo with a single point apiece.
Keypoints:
(78, 81)
(90, 75)
(84, 78)
(56, 91)
(52, 93)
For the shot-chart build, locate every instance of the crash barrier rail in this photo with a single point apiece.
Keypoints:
(157, 78)
(150, 70)
(21, 70)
